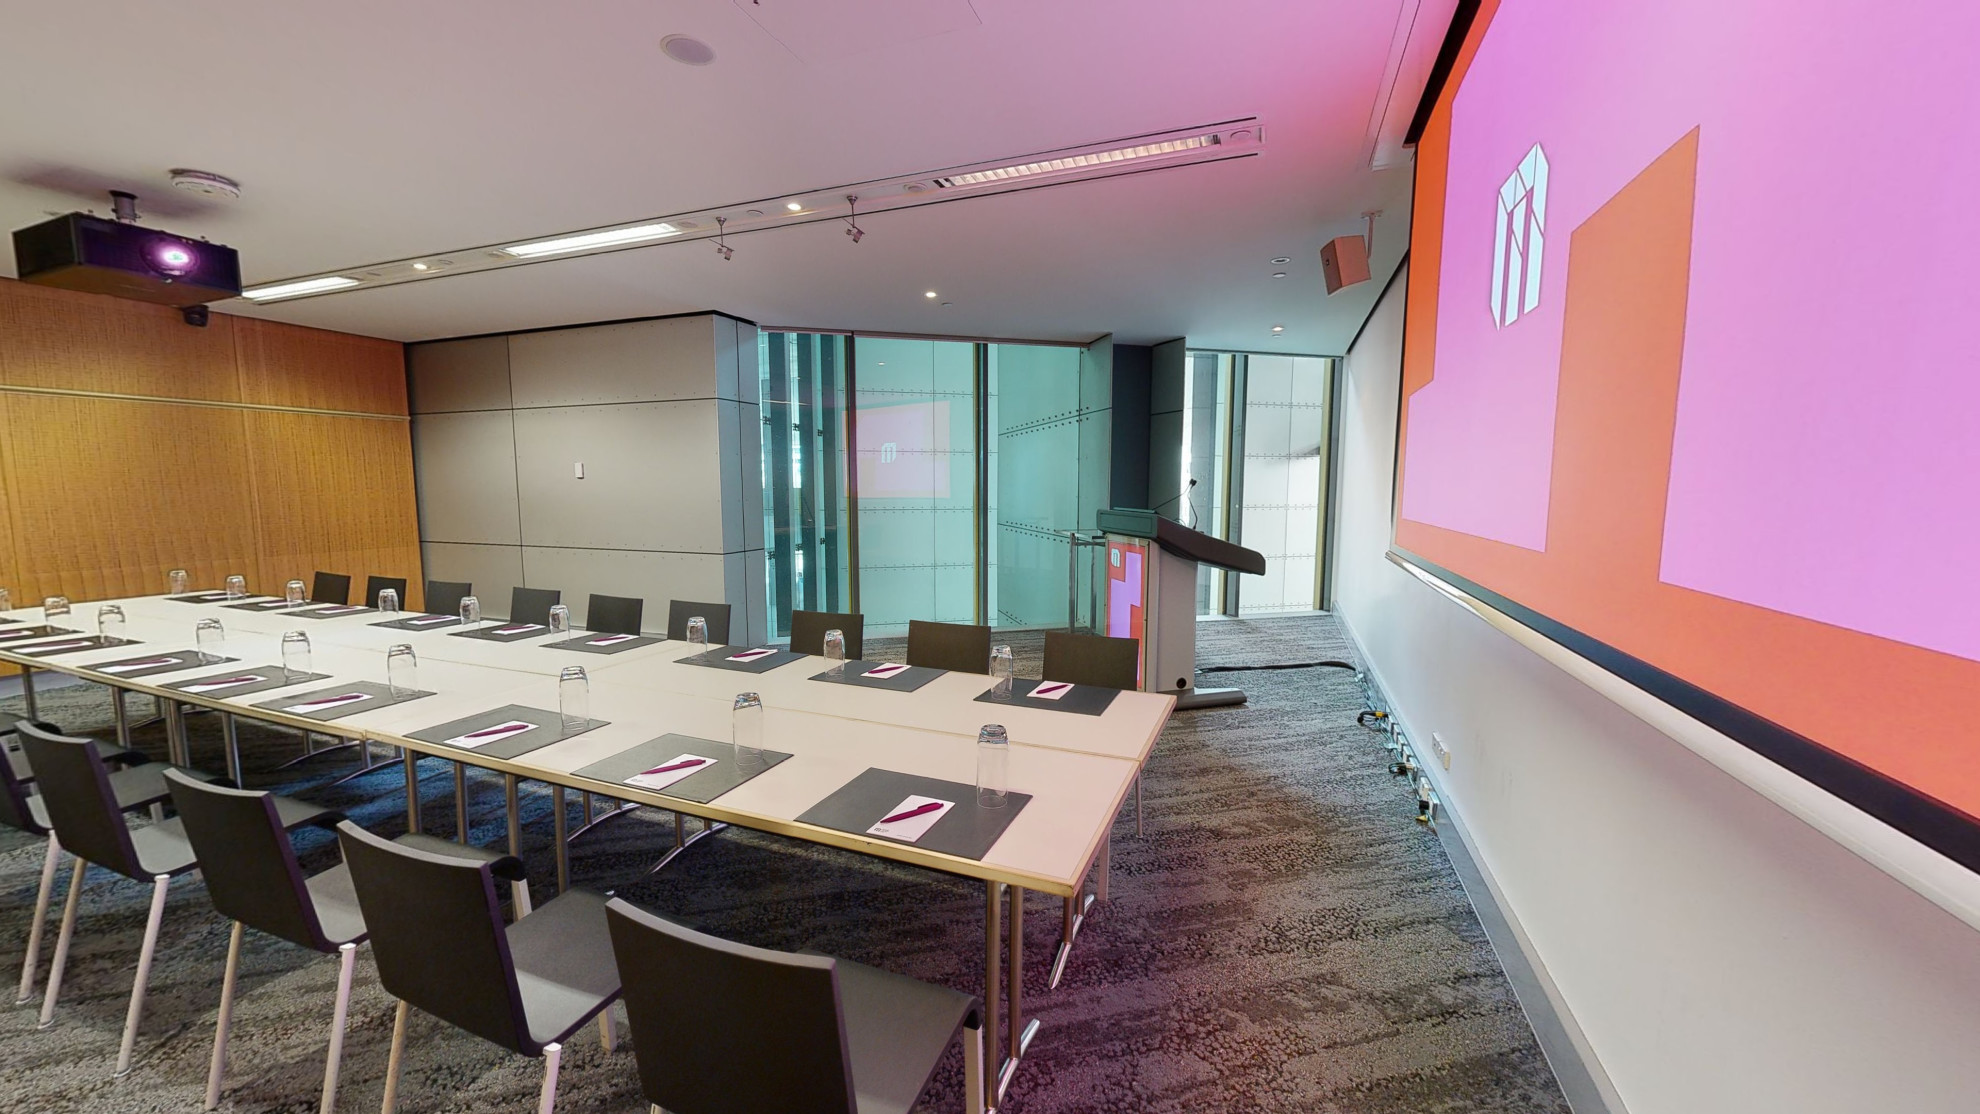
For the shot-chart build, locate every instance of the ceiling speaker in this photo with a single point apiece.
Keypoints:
(1344, 262)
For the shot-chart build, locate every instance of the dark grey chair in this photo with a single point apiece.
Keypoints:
(84, 811)
(249, 864)
(376, 584)
(438, 938)
(330, 587)
(957, 646)
(613, 614)
(1093, 659)
(443, 597)
(808, 631)
(721, 1026)
(532, 605)
(136, 788)
(717, 615)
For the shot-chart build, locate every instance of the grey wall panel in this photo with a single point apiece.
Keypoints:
(1165, 460)
(749, 364)
(464, 471)
(729, 435)
(638, 361)
(494, 570)
(749, 422)
(728, 374)
(459, 375)
(653, 577)
(652, 477)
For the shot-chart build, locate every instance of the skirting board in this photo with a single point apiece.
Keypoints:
(1583, 1081)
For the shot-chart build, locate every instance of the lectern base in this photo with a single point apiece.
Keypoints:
(1207, 698)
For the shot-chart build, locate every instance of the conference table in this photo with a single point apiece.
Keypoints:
(1069, 771)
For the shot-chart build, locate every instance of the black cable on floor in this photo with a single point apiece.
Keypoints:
(1286, 665)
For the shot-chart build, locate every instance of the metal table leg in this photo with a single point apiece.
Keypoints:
(412, 792)
(993, 969)
(230, 731)
(518, 891)
(1105, 868)
(460, 803)
(1019, 1030)
(177, 749)
(27, 691)
(121, 716)
(563, 838)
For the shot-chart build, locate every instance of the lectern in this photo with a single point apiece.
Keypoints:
(1151, 595)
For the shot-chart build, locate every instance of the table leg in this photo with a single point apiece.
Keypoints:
(178, 750)
(121, 716)
(1105, 868)
(27, 691)
(563, 837)
(518, 891)
(231, 733)
(412, 791)
(993, 967)
(460, 803)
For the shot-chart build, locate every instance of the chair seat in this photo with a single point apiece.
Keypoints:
(163, 848)
(109, 752)
(135, 787)
(564, 965)
(897, 1029)
(500, 863)
(336, 903)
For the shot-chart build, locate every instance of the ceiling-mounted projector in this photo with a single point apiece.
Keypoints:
(118, 257)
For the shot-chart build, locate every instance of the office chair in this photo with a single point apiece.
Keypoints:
(1093, 659)
(376, 584)
(532, 605)
(443, 597)
(808, 631)
(717, 615)
(613, 614)
(330, 587)
(956, 646)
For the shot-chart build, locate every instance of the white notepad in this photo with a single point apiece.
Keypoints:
(911, 819)
(753, 655)
(327, 703)
(507, 729)
(670, 771)
(1050, 690)
(882, 672)
(225, 683)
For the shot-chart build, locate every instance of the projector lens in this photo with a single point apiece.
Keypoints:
(172, 258)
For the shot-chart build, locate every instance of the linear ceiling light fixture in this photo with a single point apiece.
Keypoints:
(1135, 154)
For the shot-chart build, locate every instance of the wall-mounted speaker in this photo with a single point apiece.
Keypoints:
(1344, 262)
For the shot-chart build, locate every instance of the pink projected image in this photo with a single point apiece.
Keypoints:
(1824, 460)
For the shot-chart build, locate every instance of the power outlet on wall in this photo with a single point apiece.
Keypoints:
(1443, 752)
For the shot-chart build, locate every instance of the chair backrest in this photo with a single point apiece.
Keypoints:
(613, 614)
(14, 774)
(376, 584)
(443, 597)
(717, 614)
(437, 935)
(957, 646)
(808, 631)
(330, 587)
(724, 1026)
(1092, 659)
(531, 605)
(82, 808)
(247, 860)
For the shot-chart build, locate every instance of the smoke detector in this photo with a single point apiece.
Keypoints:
(203, 182)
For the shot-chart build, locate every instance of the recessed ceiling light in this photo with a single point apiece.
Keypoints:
(1278, 274)
(688, 50)
(1283, 260)
(422, 267)
(752, 212)
(1278, 328)
(292, 289)
(930, 294)
(945, 305)
(794, 206)
(610, 238)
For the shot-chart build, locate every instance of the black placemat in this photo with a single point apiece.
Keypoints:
(907, 680)
(419, 622)
(200, 597)
(968, 830)
(549, 729)
(702, 786)
(376, 696)
(270, 677)
(1082, 700)
(515, 632)
(333, 611)
(27, 634)
(173, 662)
(719, 659)
(74, 646)
(582, 644)
(268, 605)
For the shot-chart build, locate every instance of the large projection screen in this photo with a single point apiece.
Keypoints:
(1689, 370)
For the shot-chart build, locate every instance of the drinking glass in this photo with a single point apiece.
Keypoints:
(470, 611)
(236, 587)
(993, 766)
(293, 592)
(574, 697)
(295, 654)
(401, 670)
(388, 600)
(1004, 669)
(175, 582)
(746, 732)
(53, 608)
(560, 619)
(698, 632)
(835, 649)
(210, 638)
(6, 600)
(110, 621)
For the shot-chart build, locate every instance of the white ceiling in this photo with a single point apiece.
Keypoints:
(369, 130)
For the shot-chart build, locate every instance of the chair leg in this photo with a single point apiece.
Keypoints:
(346, 960)
(62, 939)
(35, 930)
(218, 1071)
(607, 1034)
(553, 1055)
(142, 982)
(392, 1063)
(972, 1038)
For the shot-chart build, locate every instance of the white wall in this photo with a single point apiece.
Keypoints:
(1719, 954)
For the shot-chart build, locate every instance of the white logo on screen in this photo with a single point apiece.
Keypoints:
(1519, 240)
(889, 453)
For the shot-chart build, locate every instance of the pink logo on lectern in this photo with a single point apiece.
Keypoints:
(1519, 241)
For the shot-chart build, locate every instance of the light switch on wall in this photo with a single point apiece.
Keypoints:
(579, 468)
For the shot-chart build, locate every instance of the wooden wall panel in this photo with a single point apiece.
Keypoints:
(105, 496)
(91, 342)
(334, 494)
(289, 365)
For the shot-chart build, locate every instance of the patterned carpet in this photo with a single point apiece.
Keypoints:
(1284, 938)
